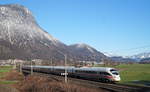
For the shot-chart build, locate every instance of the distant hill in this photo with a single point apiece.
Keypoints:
(86, 52)
(121, 59)
(145, 60)
(141, 56)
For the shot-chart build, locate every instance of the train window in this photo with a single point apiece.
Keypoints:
(93, 72)
(87, 71)
(104, 73)
(84, 71)
(60, 70)
(78, 71)
(115, 72)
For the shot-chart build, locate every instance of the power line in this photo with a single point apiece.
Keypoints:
(135, 49)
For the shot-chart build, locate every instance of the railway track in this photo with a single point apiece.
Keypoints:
(94, 84)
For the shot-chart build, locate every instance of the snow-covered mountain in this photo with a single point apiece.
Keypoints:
(17, 23)
(133, 58)
(141, 56)
(22, 38)
(122, 59)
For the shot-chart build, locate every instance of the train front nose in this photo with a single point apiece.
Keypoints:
(117, 78)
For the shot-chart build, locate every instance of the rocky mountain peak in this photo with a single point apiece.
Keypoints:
(19, 31)
(16, 13)
(17, 22)
(22, 38)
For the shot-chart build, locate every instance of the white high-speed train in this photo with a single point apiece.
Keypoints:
(103, 74)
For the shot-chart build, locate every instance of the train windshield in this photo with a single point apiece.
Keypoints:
(115, 72)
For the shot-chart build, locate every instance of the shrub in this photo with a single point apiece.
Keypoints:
(14, 76)
(42, 84)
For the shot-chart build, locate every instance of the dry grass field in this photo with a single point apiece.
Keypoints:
(13, 81)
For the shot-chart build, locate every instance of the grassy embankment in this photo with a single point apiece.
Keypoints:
(4, 70)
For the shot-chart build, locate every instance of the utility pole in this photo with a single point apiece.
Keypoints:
(31, 68)
(14, 66)
(20, 67)
(66, 69)
(66, 74)
(51, 61)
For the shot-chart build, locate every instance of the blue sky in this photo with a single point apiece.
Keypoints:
(120, 27)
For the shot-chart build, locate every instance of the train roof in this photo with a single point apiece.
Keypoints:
(58, 67)
(81, 68)
(95, 68)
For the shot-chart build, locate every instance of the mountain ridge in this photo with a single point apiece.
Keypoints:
(85, 51)
(20, 31)
(22, 38)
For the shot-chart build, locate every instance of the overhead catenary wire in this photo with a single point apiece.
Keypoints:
(135, 50)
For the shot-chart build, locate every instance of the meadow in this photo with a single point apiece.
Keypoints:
(134, 73)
